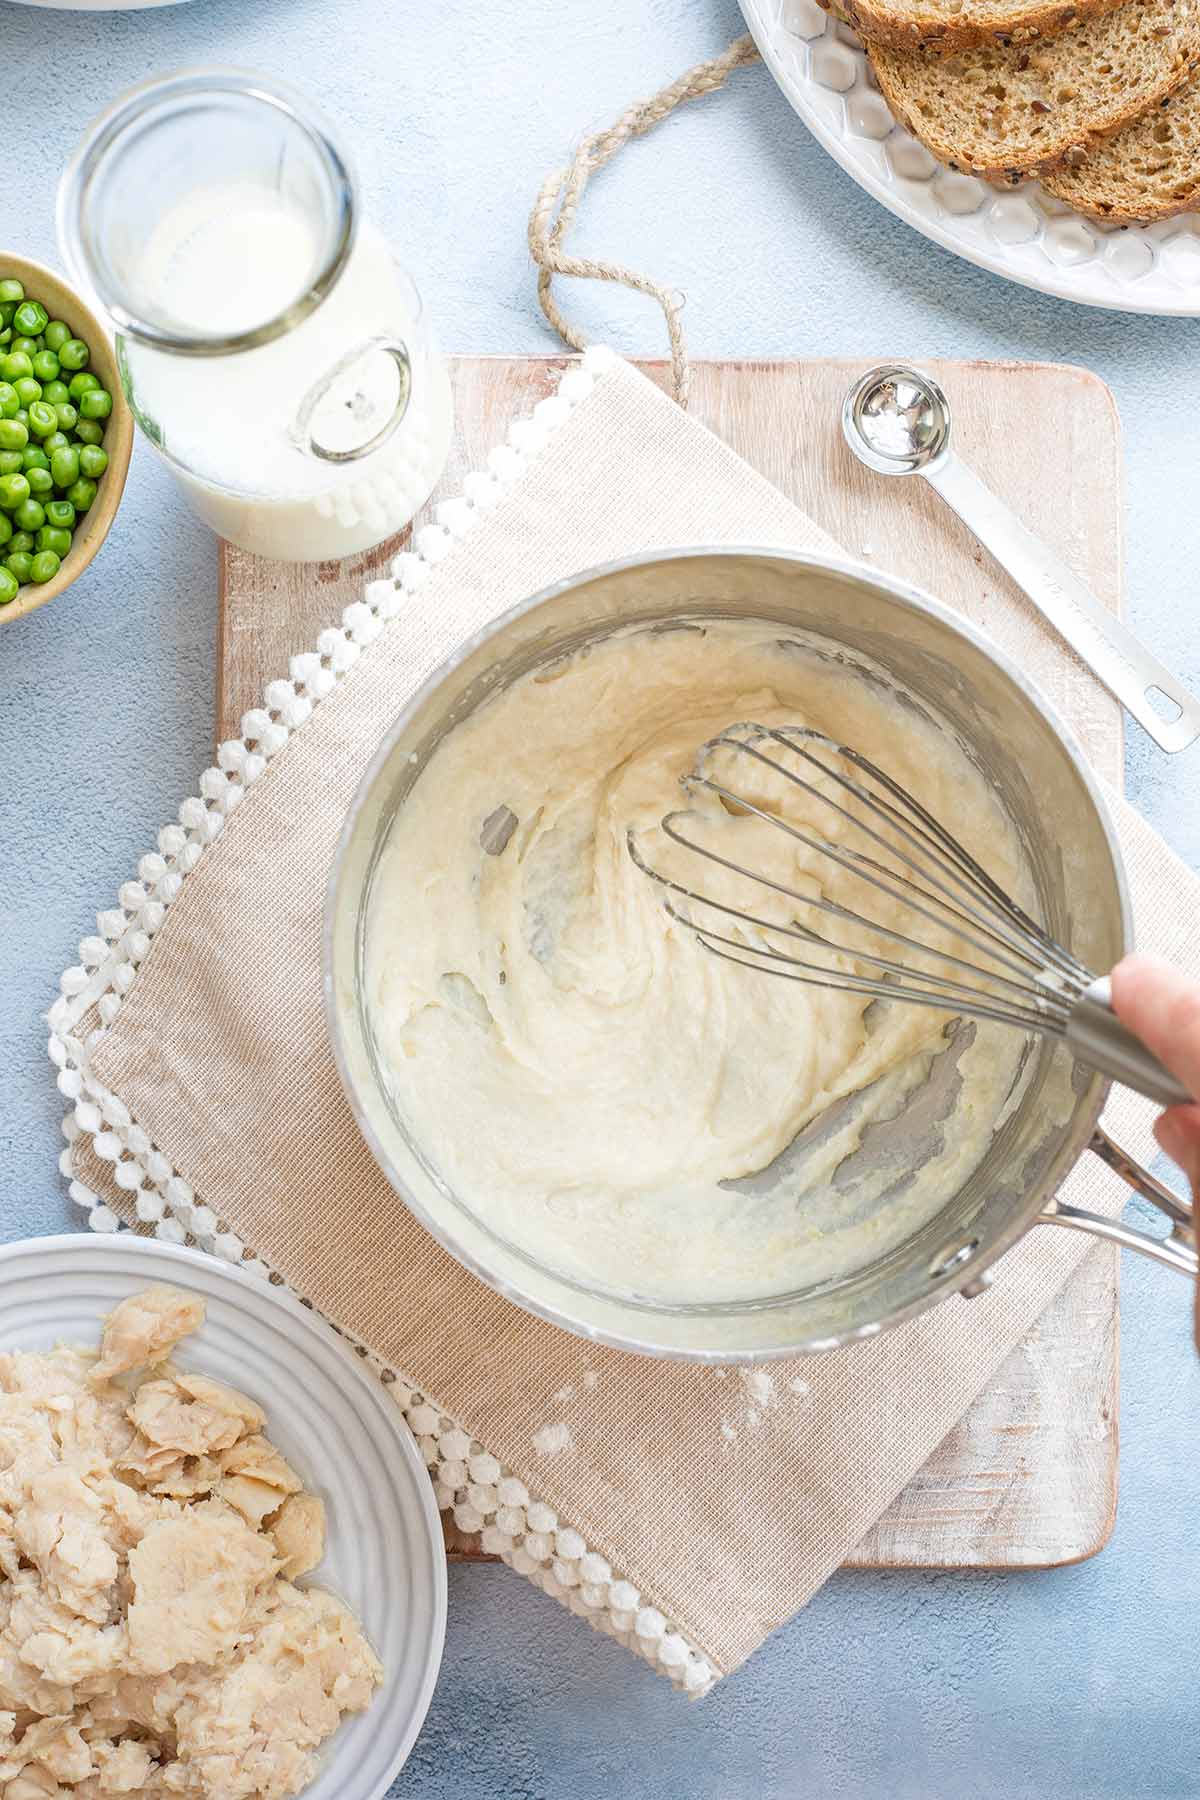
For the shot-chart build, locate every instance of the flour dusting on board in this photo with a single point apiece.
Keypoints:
(551, 1440)
(760, 1387)
(761, 1393)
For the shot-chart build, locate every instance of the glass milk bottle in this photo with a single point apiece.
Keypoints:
(271, 347)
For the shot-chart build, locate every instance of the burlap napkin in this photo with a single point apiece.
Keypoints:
(690, 1510)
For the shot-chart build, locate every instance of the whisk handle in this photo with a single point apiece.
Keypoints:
(1099, 1039)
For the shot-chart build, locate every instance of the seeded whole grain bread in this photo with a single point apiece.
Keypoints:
(1151, 170)
(947, 26)
(1010, 111)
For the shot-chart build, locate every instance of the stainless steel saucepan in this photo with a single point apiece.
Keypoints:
(952, 673)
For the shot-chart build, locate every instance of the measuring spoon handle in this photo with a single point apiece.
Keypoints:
(1106, 645)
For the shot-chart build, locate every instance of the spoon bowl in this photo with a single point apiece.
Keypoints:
(897, 420)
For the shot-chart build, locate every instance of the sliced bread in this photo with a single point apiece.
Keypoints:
(1151, 170)
(1009, 111)
(946, 26)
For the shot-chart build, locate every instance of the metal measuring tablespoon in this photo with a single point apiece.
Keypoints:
(897, 421)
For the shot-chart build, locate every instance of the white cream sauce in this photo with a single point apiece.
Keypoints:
(593, 1083)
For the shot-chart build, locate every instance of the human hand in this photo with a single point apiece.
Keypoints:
(1163, 1008)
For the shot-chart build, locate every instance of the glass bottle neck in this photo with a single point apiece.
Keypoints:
(208, 212)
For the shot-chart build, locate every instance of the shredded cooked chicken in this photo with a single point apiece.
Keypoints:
(152, 1645)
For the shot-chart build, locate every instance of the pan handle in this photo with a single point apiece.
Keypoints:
(1177, 1250)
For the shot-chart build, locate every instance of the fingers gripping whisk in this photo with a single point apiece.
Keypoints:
(951, 938)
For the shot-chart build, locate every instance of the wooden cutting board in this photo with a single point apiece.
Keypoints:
(1029, 1477)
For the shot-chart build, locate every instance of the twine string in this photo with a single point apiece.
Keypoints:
(559, 196)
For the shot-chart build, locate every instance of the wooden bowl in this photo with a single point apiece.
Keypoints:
(62, 302)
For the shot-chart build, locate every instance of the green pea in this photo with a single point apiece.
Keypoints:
(46, 366)
(6, 528)
(8, 400)
(45, 567)
(55, 393)
(65, 466)
(19, 563)
(56, 335)
(7, 309)
(34, 457)
(61, 515)
(30, 515)
(14, 491)
(27, 389)
(81, 493)
(41, 482)
(66, 415)
(24, 346)
(31, 317)
(11, 290)
(8, 587)
(84, 383)
(49, 538)
(73, 354)
(43, 420)
(20, 543)
(13, 435)
(55, 441)
(89, 431)
(11, 462)
(92, 461)
(15, 364)
(5, 337)
(95, 405)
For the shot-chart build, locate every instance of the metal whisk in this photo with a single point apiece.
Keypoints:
(994, 962)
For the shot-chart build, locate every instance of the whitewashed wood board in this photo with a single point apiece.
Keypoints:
(1029, 1477)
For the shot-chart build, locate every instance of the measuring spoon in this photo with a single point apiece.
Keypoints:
(897, 421)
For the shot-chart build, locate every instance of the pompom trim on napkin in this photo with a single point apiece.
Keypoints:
(469, 1483)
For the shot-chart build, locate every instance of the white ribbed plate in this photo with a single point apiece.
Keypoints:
(1021, 233)
(334, 1423)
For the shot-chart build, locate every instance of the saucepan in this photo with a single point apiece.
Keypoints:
(950, 671)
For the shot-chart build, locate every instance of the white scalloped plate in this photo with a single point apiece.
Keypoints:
(1023, 234)
(334, 1423)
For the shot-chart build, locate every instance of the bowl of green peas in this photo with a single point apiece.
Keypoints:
(66, 434)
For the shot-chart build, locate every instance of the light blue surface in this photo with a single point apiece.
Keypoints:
(1077, 1683)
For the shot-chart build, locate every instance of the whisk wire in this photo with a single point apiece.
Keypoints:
(819, 904)
(878, 990)
(936, 833)
(962, 869)
(949, 990)
(1028, 979)
(869, 870)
